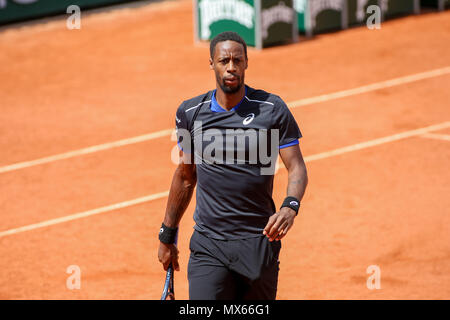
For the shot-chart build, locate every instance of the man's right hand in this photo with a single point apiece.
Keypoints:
(167, 254)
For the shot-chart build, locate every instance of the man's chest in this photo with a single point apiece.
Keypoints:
(244, 136)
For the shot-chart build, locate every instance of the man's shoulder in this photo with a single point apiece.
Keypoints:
(267, 98)
(195, 102)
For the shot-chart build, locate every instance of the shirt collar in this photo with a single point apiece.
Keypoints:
(215, 106)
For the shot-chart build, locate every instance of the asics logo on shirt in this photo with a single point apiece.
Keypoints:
(248, 119)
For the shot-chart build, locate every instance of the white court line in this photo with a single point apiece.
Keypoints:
(293, 104)
(323, 155)
(84, 214)
(437, 136)
(87, 150)
(371, 87)
(376, 142)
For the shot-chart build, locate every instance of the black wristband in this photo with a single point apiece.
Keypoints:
(291, 202)
(167, 235)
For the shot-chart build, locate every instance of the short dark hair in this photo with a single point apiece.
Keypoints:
(224, 36)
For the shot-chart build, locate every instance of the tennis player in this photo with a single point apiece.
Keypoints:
(226, 137)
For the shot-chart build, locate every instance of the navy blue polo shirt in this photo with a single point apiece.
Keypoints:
(231, 151)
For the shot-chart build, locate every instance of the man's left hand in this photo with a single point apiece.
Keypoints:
(279, 224)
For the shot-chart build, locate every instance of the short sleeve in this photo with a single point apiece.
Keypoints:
(284, 121)
(184, 140)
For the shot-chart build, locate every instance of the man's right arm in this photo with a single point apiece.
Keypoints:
(180, 194)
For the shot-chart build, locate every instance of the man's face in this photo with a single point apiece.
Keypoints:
(229, 64)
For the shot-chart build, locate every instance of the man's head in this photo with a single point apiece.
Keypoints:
(228, 59)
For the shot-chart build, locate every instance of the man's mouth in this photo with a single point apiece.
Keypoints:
(230, 81)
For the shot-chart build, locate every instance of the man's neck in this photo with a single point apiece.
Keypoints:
(229, 100)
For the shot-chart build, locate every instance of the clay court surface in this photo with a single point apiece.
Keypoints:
(381, 202)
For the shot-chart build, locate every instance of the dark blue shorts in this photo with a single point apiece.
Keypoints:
(245, 269)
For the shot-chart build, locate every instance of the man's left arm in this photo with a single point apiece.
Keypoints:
(280, 222)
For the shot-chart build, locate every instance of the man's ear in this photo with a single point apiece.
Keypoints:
(211, 64)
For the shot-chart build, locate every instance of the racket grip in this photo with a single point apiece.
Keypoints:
(176, 239)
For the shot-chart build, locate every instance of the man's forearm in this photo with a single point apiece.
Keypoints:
(297, 182)
(180, 195)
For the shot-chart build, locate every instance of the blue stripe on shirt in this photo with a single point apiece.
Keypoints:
(293, 143)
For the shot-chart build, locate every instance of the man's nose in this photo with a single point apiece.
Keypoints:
(231, 66)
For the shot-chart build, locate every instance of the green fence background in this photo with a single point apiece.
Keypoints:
(261, 23)
(213, 18)
(18, 10)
